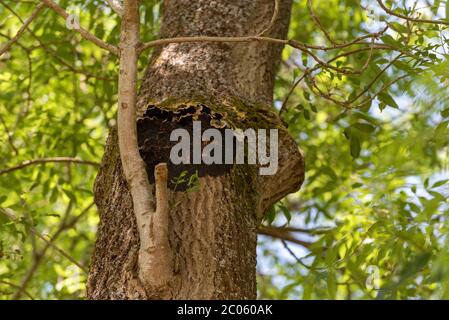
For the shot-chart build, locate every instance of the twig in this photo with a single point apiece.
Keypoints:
(402, 16)
(310, 70)
(9, 135)
(277, 4)
(17, 287)
(298, 260)
(22, 29)
(283, 235)
(83, 32)
(293, 43)
(317, 21)
(52, 53)
(11, 216)
(28, 163)
(387, 85)
(59, 250)
(376, 78)
(117, 6)
(64, 225)
(154, 259)
(315, 231)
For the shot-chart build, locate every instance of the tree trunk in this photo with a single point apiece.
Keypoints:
(212, 230)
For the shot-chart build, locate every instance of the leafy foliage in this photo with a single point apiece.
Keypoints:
(374, 206)
(371, 118)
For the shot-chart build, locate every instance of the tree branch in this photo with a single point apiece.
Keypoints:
(298, 260)
(277, 4)
(285, 235)
(155, 262)
(48, 160)
(293, 43)
(50, 52)
(155, 255)
(63, 225)
(22, 29)
(13, 217)
(313, 231)
(15, 286)
(117, 6)
(402, 16)
(83, 32)
(9, 135)
(317, 21)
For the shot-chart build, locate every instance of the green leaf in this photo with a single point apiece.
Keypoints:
(445, 113)
(447, 10)
(355, 147)
(439, 184)
(307, 95)
(332, 284)
(286, 212)
(388, 100)
(364, 127)
(398, 27)
(271, 215)
(306, 113)
(390, 40)
(436, 6)
(69, 194)
(305, 59)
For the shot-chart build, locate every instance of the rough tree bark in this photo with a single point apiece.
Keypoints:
(212, 231)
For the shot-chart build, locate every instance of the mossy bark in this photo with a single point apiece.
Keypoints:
(213, 230)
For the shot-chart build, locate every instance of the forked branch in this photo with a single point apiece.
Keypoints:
(155, 263)
(155, 255)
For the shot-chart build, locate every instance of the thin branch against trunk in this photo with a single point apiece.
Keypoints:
(83, 32)
(306, 48)
(277, 5)
(154, 253)
(28, 163)
(293, 43)
(133, 165)
(257, 38)
(22, 29)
